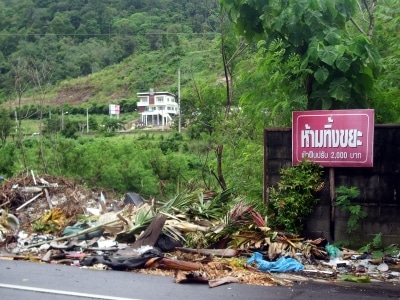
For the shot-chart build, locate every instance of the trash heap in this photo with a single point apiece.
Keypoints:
(197, 236)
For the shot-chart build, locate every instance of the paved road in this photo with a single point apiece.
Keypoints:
(34, 281)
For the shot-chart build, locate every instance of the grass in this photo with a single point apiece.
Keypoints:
(29, 127)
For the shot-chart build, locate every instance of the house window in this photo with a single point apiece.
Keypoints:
(143, 99)
(160, 99)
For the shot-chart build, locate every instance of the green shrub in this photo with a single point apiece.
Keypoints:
(345, 195)
(293, 199)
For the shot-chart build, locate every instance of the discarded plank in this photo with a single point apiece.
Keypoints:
(221, 281)
(47, 256)
(20, 257)
(31, 189)
(33, 177)
(33, 199)
(46, 192)
(150, 236)
(5, 203)
(172, 264)
(216, 252)
(186, 226)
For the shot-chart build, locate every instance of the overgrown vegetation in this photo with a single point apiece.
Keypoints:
(294, 198)
(378, 250)
(345, 200)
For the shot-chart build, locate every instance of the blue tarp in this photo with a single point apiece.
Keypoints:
(282, 265)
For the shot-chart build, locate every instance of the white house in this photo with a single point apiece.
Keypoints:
(157, 108)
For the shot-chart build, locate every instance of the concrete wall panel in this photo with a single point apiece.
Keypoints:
(379, 187)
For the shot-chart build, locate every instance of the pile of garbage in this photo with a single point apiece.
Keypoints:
(197, 236)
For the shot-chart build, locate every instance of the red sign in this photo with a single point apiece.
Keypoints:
(114, 109)
(334, 138)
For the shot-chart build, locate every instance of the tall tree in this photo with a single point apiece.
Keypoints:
(216, 102)
(337, 65)
(387, 89)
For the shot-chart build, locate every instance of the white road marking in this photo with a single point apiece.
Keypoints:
(58, 292)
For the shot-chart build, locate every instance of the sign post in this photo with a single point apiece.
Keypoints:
(114, 110)
(333, 138)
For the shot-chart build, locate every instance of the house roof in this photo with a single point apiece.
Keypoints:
(155, 93)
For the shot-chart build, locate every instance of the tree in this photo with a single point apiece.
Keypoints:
(337, 64)
(6, 124)
(71, 128)
(22, 82)
(271, 87)
(61, 24)
(112, 124)
(216, 101)
(387, 89)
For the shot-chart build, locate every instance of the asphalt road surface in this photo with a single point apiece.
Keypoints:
(34, 281)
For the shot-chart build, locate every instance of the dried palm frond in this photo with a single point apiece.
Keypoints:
(180, 203)
(194, 205)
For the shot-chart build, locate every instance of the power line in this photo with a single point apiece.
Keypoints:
(107, 34)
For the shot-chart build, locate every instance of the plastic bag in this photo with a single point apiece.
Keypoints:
(282, 265)
(332, 250)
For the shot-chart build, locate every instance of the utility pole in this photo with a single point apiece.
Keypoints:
(62, 119)
(87, 119)
(179, 100)
(16, 121)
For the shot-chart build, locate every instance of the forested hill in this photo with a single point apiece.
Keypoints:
(302, 55)
(75, 38)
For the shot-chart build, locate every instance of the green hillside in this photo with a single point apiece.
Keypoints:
(244, 65)
(296, 55)
(87, 51)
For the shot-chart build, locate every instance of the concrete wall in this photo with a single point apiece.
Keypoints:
(379, 187)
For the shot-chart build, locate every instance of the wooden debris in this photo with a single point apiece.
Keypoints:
(5, 203)
(168, 263)
(199, 277)
(33, 177)
(46, 192)
(221, 281)
(196, 277)
(21, 257)
(31, 200)
(150, 236)
(47, 256)
(186, 226)
(127, 222)
(320, 274)
(217, 252)
(30, 189)
(152, 262)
